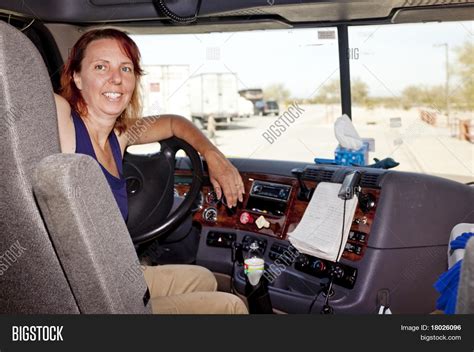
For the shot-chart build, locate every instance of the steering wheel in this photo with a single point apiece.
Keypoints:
(150, 190)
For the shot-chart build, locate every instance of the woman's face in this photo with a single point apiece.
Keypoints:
(106, 79)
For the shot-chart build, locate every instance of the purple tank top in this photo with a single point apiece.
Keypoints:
(84, 146)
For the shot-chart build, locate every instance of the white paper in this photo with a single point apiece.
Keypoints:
(320, 229)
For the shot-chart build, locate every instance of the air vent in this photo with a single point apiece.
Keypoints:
(318, 175)
(370, 180)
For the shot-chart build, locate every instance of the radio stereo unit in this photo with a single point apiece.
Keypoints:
(268, 198)
(270, 190)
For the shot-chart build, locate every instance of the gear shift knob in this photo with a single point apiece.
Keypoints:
(254, 265)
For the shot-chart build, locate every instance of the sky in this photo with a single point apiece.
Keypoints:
(388, 58)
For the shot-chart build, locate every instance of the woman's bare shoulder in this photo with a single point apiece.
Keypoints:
(65, 125)
(63, 108)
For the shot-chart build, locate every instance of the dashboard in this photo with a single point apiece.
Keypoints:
(274, 199)
(397, 241)
(272, 207)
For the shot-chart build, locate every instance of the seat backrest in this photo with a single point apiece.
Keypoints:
(87, 262)
(31, 277)
(90, 236)
(465, 299)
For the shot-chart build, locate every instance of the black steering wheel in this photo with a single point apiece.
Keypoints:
(150, 190)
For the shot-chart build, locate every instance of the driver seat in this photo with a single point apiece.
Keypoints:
(64, 247)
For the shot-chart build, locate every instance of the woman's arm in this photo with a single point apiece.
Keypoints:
(223, 175)
(67, 138)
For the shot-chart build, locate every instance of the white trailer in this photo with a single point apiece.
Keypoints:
(214, 94)
(165, 90)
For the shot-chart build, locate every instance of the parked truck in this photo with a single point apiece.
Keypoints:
(216, 95)
(165, 90)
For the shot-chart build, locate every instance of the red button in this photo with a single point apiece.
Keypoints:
(246, 218)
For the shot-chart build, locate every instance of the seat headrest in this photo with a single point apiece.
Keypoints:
(28, 113)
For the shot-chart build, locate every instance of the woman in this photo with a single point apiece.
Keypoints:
(99, 102)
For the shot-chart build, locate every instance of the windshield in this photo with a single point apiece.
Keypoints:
(411, 91)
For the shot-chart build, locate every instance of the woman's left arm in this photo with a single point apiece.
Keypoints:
(224, 177)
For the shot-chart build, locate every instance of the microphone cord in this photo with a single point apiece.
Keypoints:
(326, 307)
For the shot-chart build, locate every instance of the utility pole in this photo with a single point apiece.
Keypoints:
(446, 86)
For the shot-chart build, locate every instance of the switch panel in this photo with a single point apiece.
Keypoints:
(344, 275)
(220, 239)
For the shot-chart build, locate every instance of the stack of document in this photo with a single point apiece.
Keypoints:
(319, 232)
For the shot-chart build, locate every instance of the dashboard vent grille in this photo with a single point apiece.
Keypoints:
(318, 175)
(370, 180)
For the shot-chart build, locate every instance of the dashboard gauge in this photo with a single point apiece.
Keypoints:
(211, 198)
(210, 214)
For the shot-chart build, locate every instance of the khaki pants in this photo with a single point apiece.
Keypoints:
(188, 289)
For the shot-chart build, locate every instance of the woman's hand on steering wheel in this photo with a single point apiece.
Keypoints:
(225, 178)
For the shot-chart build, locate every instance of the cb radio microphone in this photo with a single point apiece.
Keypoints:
(350, 185)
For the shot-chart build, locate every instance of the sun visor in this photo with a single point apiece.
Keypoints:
(435, 14)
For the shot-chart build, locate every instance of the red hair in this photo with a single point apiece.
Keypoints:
(73, 95)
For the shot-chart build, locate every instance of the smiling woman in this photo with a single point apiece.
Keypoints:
(100, 82)
(104, 59)
(99, 103)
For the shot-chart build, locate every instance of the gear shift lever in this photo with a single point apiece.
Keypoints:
(254, 265)
(256, 288)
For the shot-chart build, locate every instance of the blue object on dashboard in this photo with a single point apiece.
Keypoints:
(350, 157)
(325, 161)
(448, 282)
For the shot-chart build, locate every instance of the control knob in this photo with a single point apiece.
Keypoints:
(302, 260)
(366, 202)
(336, 271)
(318, 266)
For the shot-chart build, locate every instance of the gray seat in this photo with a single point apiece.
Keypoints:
(81, 261)
(90, 237)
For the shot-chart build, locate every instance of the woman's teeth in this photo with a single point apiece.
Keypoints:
(112, 95)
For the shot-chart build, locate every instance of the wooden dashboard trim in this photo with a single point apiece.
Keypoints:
(279, 225)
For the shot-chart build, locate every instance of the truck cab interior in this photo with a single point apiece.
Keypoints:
(78, 256)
